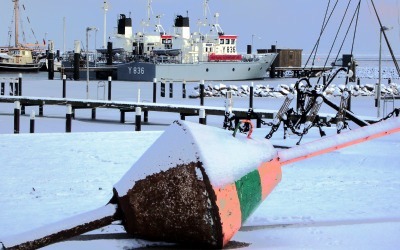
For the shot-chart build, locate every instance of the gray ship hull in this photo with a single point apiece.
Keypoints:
(208, 71)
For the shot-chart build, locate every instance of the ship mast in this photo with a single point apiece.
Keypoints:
(16, 15)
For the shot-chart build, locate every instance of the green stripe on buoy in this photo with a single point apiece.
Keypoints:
(249, 192)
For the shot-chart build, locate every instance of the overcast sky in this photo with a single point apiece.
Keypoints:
(288, 23)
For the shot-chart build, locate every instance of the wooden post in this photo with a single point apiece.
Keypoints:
(162, 88)
(171, 89)
(16, 89)
(32, 122)
(138, 119)
(251, 95)
(109, 55)
(22, 109)
(202, 92)
(202, 116)
(68, 125)
(184, 89)
(109, 87)
(77, 56)
(41, 110)
(50, 61)
(11, 92)
(154, 90)
(64, 92)
(122, 116)
(146, 116)
(258, 122)
(17, 109)
(19, 84)
(93, 113)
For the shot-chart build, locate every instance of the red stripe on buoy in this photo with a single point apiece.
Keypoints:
(229, 211)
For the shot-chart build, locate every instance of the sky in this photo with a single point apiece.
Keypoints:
(287, 23)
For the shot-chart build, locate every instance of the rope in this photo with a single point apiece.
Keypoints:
(386, 39)
(324, 25)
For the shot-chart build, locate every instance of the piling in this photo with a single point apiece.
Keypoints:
(259, 122)
(19, 84)
(109, 53)
(202, 116)
(138, 119)
(22, 109)
(64, 91)
(171, 89)
(16, 87)
(32, 123)
(272, 72)
(40, 110)
(93, 113)
(202, 93)
(17, 109)
(50, 61)
(162, 88)
(251, 95)
(376, 95)
(68, 125)
(2, 86)
(184, 89)
(154, 90)
(77, 56)
(109, 87)
(11, 87)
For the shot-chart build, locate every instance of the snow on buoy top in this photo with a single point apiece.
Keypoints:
(225, 158)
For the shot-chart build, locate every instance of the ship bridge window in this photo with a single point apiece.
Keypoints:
(227, 41)
(221, 41)
(232, 41)
(166, 41)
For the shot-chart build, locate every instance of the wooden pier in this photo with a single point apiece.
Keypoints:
(124, 107)
(296, 72)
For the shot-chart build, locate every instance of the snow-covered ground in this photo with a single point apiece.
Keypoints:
(348, 199)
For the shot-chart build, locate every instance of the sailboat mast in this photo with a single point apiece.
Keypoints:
(16, 15)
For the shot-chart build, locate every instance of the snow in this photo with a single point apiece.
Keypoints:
(346, 199)
(188, 142)
(59, 226)
(335, 141)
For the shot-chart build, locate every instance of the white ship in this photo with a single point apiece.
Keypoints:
(185, 55)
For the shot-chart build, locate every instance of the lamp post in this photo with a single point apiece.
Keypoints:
(382, 29)
(95, 47)
(87, 59)
(106, 7)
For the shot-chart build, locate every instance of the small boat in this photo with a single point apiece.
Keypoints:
(18, 58)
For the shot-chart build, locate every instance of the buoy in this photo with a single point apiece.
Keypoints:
(195, 185)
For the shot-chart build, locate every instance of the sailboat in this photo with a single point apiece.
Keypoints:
(18, 58)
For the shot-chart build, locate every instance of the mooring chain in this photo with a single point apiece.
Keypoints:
(395, 112)
(228, 121)
(340, 116)
(310, 120)
(280, 116)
